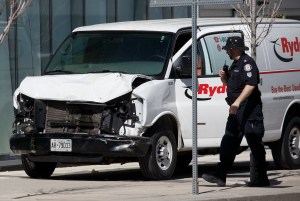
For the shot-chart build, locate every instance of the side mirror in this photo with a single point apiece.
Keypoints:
(184, 69)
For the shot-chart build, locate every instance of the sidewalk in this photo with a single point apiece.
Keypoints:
(124, 182)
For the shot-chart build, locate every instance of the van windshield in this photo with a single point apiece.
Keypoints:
(98, 52)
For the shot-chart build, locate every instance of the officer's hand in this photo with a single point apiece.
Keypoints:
(222, 74)
(234, 108)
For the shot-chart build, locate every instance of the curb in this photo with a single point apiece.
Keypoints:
(10, 165)
(277, 197)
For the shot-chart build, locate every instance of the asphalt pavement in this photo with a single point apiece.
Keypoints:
(124, 182)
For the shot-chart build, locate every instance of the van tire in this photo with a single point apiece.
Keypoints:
(160, 161)
(286, 153)
(37, 169)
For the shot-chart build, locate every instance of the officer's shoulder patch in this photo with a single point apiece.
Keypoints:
(247, 67)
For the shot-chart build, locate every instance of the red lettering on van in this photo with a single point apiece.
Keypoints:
(211, 90)
(290, 46)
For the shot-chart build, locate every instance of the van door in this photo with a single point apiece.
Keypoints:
(211, 106)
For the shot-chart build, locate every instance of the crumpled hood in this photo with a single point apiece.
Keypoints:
(98, 88)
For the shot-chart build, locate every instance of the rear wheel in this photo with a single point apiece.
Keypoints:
(37, 169)
(286, 152)
(160, 162)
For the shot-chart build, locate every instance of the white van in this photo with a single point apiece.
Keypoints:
(121, 92)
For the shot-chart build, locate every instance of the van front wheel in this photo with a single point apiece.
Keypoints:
(160, 161)
(286, 152)
(37, 169)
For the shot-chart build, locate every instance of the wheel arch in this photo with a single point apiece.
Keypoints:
(292, 111)
(281, 155)
(168, 120)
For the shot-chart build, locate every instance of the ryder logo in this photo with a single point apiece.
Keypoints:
(207, 91)
(288, 47)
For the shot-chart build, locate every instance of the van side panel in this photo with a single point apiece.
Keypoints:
(280, 82)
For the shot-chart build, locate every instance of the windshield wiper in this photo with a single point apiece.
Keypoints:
(58, 72)
(108, 71)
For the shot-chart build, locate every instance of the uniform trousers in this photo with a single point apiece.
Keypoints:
(247, 122)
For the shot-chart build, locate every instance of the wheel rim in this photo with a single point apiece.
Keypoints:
(294, 145)
(164, 152)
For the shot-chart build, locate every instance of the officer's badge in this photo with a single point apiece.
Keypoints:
(247, 67)
(249, 74)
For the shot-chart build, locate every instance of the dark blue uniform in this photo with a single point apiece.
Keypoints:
(243, 72)
(247, 122)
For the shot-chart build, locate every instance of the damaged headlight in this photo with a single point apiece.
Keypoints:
(121, 115)
(24, 123)
(26, 103)
(24, 127)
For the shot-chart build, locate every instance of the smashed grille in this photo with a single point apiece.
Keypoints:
(72, 118)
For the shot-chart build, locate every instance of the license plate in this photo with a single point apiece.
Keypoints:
(64, 145)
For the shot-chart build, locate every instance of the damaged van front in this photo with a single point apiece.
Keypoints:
(89, 105)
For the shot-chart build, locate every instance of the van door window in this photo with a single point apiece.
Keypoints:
(217, 56)
(200, 59)
(182, 39)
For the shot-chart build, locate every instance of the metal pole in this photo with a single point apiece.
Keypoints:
(194, 99)
(253, 28)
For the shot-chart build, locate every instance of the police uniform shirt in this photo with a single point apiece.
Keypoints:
(241, 73)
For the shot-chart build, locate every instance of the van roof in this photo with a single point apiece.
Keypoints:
(165, 25)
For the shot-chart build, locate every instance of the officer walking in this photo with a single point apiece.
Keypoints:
(245, 115)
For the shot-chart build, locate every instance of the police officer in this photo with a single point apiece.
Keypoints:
(245, 115)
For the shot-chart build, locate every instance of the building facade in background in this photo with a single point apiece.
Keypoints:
(46, 23)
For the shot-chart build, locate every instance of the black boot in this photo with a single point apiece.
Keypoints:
(220, 181)
(261, 180)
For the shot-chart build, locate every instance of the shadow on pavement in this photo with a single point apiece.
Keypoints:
(239, 170)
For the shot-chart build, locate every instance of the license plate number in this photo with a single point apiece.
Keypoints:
(64, 145)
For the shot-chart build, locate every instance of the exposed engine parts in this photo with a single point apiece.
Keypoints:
(73, 117)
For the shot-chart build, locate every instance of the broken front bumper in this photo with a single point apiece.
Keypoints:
(85, 148)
